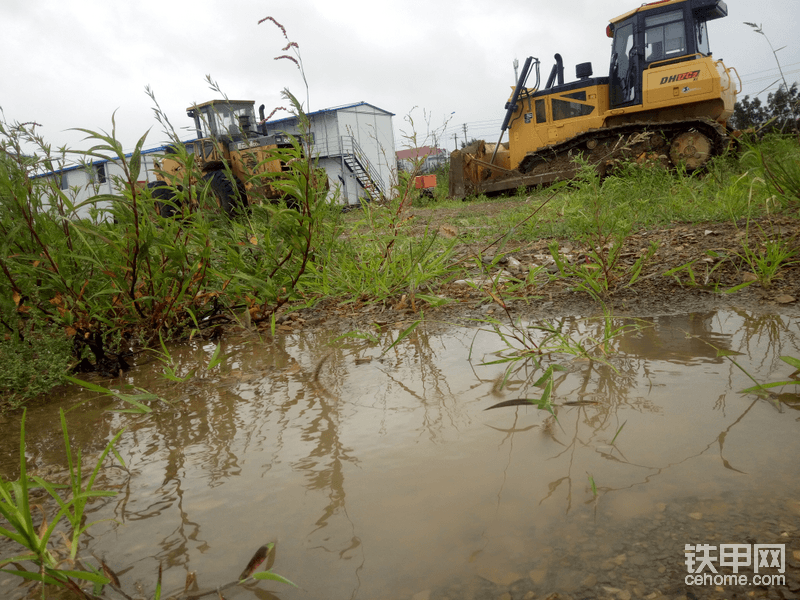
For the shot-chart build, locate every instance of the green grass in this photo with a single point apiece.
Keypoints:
(730, 189)
(655, 197)
(765, 254)
(33, 361)
(39, 542)
(74, 289)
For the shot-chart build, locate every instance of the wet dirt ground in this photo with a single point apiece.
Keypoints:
(713, 248)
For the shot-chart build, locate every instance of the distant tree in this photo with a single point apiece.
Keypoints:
(748, 114)
(785, 108)
(785, 104)
(777, 115)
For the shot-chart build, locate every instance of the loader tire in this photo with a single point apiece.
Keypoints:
(230, 195)
(166, 203)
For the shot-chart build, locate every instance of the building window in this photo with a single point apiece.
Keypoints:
(63, 181)
(100, 173)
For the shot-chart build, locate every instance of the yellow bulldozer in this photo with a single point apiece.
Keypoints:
(665, 98)
(228, 135)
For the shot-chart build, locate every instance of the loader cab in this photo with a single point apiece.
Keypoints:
(657, 34)
(224, 120)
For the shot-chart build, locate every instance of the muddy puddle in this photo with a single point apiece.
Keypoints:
(379, 474)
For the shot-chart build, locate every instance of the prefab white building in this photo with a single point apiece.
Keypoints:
(354, 144)
(91, 179)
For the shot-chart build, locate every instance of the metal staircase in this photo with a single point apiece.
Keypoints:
(364, 172)
(356, 161)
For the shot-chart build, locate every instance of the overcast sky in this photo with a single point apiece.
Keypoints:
(72, 63)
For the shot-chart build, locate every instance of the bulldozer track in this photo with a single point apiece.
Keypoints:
(607, 146)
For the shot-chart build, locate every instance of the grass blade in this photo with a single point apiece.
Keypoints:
(269, 575)
(403, 335)
(618, 432)
(215, 358)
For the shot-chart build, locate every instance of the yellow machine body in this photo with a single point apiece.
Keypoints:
(228, 135)
(672, 92)
(244, 163)
(663, 79)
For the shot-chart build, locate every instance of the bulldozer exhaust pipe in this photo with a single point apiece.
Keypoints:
(556, 73)
(262, 126)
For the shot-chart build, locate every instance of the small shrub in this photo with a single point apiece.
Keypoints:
(32, 363)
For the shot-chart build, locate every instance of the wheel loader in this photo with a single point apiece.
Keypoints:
(665, 99)
(227, 135)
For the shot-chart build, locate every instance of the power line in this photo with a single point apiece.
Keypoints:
(768, 76)
(775, 85)
(763, 71)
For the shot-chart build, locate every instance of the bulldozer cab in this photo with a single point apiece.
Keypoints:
(654, 35)
(224, 120)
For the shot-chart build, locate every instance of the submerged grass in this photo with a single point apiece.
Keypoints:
(38, 541)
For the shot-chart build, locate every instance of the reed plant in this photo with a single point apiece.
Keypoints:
(127, 275)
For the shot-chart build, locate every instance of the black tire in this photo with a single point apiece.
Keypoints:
(230, 196)
(167, 204)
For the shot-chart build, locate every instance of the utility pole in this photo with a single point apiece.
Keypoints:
(465, 133)
(455, 137)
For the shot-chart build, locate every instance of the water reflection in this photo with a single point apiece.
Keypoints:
(683, 339)
(378, 472)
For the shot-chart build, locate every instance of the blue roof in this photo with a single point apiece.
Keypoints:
(104, 160)
(330, 110)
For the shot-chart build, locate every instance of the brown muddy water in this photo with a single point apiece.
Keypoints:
(384, 477)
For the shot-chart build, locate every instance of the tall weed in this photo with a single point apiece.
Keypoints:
(129, 275)
(777, 160)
